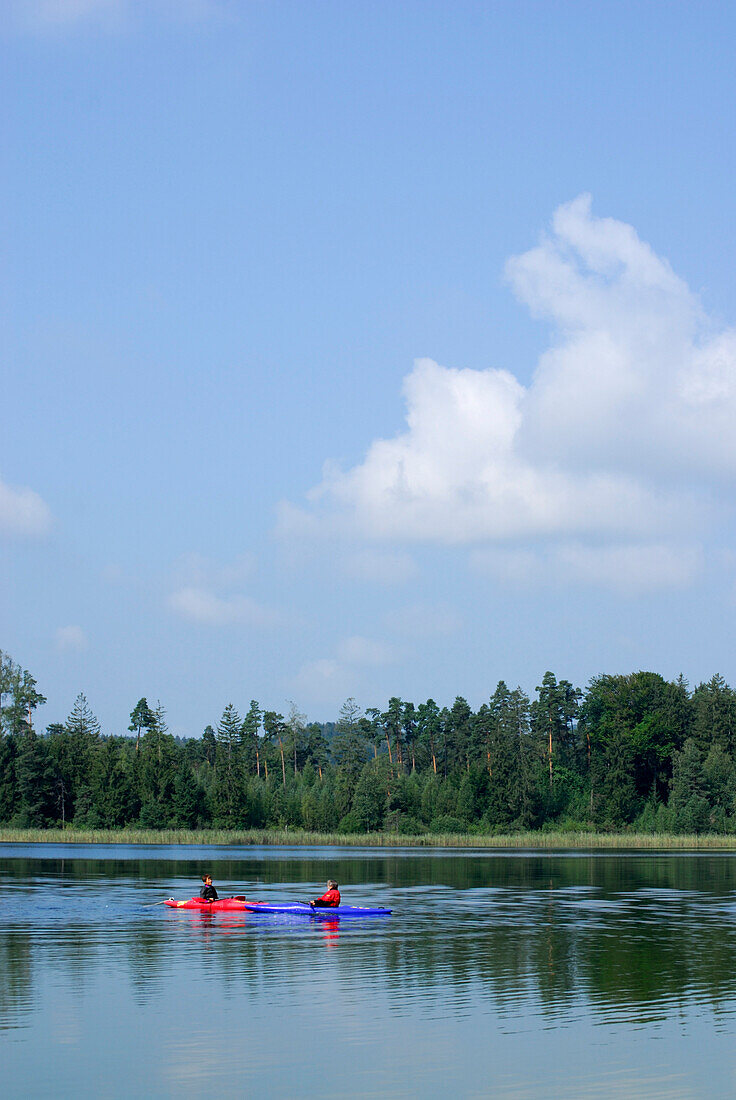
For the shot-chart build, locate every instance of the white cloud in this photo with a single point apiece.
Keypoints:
(456, 477)
(70, 639)
(638, 382)
(200, 605)
(22, 512)
(210, 592)
(634, 400)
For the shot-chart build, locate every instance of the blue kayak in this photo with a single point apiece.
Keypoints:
(305, 910)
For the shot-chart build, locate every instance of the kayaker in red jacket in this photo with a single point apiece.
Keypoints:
(330, 900)
(208, 891)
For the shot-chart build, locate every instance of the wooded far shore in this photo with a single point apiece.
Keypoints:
(631, 755)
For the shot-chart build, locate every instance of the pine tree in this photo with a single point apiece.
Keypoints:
(141, 718)
(317, 750)
(83, 733)
(275, 731)
(228, 786)
(296, 744)
(157, 772)
(251, 739)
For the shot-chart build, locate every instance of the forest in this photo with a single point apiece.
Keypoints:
(626, 752)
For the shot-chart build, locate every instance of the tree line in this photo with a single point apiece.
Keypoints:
(628, 751)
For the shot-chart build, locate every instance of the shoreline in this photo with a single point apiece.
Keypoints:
(298, 838)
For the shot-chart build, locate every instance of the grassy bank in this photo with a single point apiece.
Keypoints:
(540, 840)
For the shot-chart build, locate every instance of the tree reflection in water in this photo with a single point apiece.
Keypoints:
(620, 936)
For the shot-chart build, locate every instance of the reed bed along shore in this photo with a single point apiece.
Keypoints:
(261, 837)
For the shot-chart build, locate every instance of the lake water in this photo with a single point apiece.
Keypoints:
(514, 974)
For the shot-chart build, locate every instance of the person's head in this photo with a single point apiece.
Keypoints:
(207, 880)
(331, 884)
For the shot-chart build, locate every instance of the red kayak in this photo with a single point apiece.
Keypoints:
(222, 905)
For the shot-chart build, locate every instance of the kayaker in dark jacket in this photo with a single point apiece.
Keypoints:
(330, 900)
(208, 891)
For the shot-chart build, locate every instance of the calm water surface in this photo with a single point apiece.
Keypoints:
(519, 975)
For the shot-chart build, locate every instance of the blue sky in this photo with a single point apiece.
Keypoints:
(364, 349)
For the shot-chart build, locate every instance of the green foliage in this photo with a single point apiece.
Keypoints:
(33, 783)
(369, 800)
(631, 751)
(446, 823)
(188, 800)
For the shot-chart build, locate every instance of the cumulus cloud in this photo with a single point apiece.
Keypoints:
(456, 475)
(199, 605)
(70, 639)
(22, 512)
(638, 382)
(634, 399)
